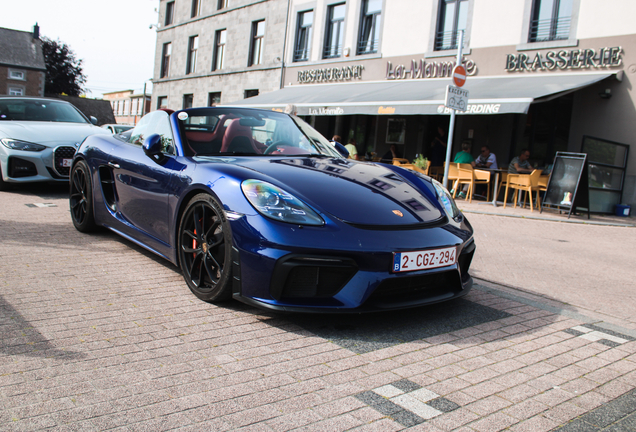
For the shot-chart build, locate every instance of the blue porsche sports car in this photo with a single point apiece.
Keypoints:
(258, 206)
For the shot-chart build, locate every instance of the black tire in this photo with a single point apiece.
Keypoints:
(81, 198)
(205, 249)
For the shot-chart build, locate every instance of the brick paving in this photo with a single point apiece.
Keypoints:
(99, 335)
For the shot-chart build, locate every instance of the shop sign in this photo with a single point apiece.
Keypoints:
(326, 111)
(473, 109)
(573, 59)
(424, 69)
(344, 73)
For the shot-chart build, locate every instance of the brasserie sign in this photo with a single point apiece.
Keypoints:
(562, 59)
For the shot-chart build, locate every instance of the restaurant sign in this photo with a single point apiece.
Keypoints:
(424, 69)
(345, 73)
(572, 59)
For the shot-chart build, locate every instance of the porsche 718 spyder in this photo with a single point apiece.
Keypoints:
(258, 206)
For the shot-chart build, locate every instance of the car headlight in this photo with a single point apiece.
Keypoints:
(275, 203)
(446, 199)
(21, 145)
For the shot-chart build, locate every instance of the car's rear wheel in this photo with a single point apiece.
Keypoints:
(81, 198)
(205, 245)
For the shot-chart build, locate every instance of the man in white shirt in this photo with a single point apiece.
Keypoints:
(486, 159)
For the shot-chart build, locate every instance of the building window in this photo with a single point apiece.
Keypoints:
(370, 27)
(196, 8)
(162, 102)
(165, 60)
(193, 46)
(127, 107)
(550, 20)
(303, 35)
(335, 31)
(214, 98)
(187, 101)
(258, 35)
(135, 105)
(453, 15)
(169, 13)
(219, 50)
(250, 93)
(16, 91)
(17, 74)
(223, 4)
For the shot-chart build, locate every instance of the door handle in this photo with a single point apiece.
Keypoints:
(113, 165)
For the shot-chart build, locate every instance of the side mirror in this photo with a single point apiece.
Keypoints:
(153, 147)
(93, 120)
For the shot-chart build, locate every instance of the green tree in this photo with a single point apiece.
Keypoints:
(63, 70)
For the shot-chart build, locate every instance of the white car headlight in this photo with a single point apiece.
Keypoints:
(275, 203)
(21, 145)
(446, 199)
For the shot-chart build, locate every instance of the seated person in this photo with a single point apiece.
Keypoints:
(464, 156)
(486, 159)
(392, 153)
(520, 164)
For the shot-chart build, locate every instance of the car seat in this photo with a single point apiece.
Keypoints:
(232, 143)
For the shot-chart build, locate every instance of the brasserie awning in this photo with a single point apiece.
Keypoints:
(487, 95)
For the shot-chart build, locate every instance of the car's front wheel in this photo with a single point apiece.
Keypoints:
(205, 244)
(81, 198)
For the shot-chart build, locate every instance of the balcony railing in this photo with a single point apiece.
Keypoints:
(367, 46)
(301, 54)
(448, 40)
(550, 29)
(332, 51)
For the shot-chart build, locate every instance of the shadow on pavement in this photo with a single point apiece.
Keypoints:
(19, 337)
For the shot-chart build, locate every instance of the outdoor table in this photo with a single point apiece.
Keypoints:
(496, 173)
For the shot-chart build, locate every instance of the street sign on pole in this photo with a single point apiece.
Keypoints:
(456, 98)
(459, 75)
(451, 126)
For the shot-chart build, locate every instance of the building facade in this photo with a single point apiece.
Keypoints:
(128, 106)
(217, 51)
(22, 67)
(546, 75)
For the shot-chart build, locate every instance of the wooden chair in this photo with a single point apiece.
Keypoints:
(523, 182)
(453, 176)
(400, 161)
(470, 176)
(436, 172)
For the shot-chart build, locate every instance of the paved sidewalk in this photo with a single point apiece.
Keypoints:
(98, 334)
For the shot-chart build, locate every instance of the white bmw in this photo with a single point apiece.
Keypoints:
(38, 138)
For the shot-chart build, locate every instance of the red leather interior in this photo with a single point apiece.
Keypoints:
(231, 139)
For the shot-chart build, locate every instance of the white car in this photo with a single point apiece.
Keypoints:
(38, 138)
(117, 128)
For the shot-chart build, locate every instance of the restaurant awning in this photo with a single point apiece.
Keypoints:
(487, 95)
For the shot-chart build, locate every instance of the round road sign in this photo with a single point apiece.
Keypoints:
(459, 75)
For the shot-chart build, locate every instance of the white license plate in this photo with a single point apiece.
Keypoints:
(424, 260)
(67, 163)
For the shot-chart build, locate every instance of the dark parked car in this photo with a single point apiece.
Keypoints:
(258, 206)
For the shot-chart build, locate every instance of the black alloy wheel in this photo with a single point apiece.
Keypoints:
(81, 198)
(205, 243)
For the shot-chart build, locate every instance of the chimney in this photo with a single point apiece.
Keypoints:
(36, 31)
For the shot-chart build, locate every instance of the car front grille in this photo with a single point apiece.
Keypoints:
(310, 277)
(411, 288)
(59, 156)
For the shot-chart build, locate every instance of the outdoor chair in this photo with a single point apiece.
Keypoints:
(525, 183)
(470, 176)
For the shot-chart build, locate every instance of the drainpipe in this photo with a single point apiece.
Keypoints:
(282, 59)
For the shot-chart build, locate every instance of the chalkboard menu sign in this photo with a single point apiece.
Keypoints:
(568, 186)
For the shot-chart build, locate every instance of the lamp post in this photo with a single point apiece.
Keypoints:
(143, 106)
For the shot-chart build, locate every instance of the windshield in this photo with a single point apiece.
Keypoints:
(39, 110)
(236, 131)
